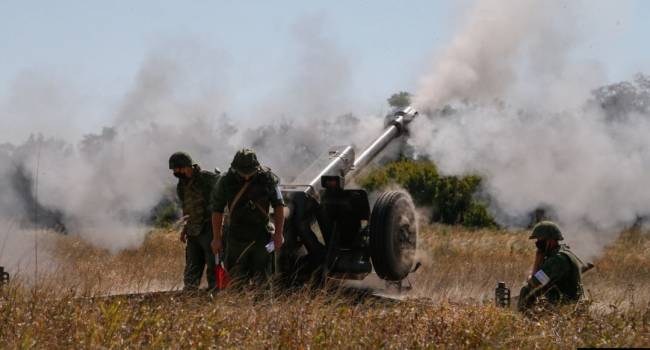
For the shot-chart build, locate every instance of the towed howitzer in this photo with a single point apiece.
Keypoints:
(353, 239)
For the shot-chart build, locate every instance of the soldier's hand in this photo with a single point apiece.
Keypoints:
(524, 301)
(216, 246)
(183, 237)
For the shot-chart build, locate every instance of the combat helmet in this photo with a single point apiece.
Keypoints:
(546, 230)
(245, 162)
(180, 160)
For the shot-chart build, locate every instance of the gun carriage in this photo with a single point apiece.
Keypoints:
(354, 239)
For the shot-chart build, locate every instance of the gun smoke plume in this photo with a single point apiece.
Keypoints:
(103, 187)
(505, 101)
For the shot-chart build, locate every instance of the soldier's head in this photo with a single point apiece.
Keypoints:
(181, 165)
(547, 234)
(245, 163)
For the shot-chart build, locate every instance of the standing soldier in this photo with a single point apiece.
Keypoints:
(557, 272)
(247, 190)
(194, 189)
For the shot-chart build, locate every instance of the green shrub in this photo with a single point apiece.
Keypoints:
(452, 198)
(419, 178)
(167, 211)
(477, 216)
(166, 215)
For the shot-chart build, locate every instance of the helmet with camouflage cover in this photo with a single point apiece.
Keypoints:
(245, 162)
(546, 230)
(180, 160)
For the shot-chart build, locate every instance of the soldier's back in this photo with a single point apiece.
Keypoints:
(568, 280)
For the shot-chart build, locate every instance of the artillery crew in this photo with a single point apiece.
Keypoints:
(194, 189)
(247, 190)
(556, 274)
(229, 216)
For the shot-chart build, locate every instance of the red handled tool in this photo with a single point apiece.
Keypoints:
(223, 279)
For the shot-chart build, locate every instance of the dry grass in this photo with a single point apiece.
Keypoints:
(450, 306)
(156, 265)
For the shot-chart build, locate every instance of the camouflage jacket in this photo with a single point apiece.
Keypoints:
(559, 277)
(194, 194)
(252, 208)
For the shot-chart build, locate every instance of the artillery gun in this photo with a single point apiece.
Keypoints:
(353, 239)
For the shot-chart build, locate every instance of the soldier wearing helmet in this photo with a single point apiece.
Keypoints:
(556, 274)
(248, 191)
(194, 189)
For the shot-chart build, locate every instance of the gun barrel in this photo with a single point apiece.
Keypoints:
(396, 128)
(341, 161)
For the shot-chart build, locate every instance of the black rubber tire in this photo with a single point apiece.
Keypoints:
(393, 235)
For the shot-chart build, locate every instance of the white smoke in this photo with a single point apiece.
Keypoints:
(104, 185)
(521, 120)
(25, 252)
(480, 62)
(109, 181)
(38, 100)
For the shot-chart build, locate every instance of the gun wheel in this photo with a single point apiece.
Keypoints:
(393, 235)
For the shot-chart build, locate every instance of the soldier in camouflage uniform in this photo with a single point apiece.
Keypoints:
(194, 189)
(556, 275)
(247, 190)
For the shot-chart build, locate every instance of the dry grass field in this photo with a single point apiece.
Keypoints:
(449, 307)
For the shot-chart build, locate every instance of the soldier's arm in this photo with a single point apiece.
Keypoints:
(278, 220)
(179, 193)
(218, 204)
(551, 270)
(548, 273)
(183, 234)
(209, 186)
(217, 222)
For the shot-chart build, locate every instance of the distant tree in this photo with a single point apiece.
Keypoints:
(92, 144)
(400, 99)
(621, 99)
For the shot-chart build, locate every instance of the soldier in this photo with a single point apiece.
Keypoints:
(247, 190)
(194, 189)
(556, 273)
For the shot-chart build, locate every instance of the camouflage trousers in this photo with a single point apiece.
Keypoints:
(247, 259)
(198, 256)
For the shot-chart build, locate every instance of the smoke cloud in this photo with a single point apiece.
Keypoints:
(505, 101)
(103, 187)
(21, 251)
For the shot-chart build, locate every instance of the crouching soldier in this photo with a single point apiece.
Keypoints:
(194, 189)
(248, 191)
(556, 274)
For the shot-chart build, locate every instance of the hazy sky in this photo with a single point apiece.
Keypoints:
(97, 47)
